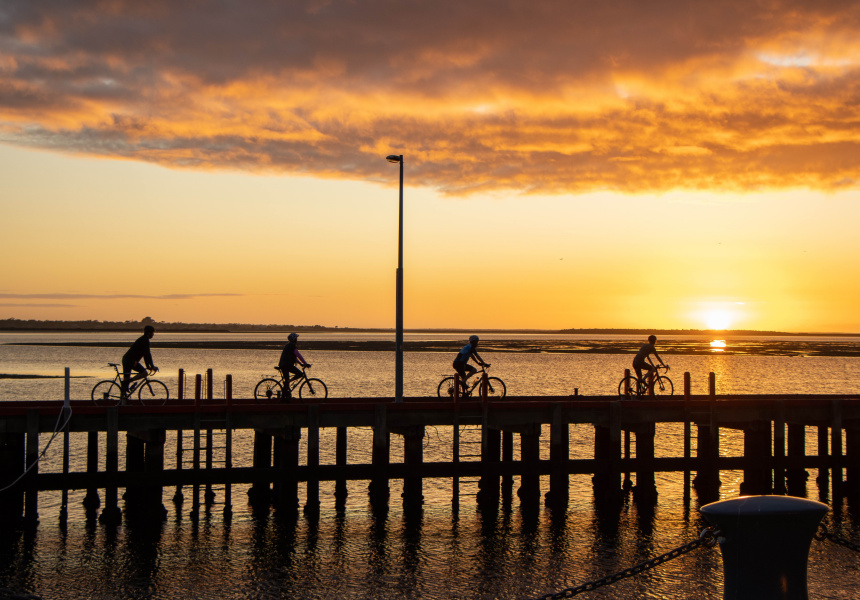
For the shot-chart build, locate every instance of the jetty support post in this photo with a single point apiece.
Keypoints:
(455, 458)
(378, 488)
(154, 463)
(209, 494)
(765, 544)
(13, 458)
(340, 448)
(707, 480)
(687, 432)
(779, 447)
(606, 481)
(823, 463)
(507, 458)
(836, 450)
(757, 449)
(91, 500)
(413, 457)
(180, 396)
(259, 492)
(559, 454)
(312, 494)
(796, 476)
(645, 491)
(286, 460)
(134, 496)
(64, 503)
(195, 488)
(491, 446)
(144, 453)
(111, 513)
(228, 445)
(31, 501)
(529, 492)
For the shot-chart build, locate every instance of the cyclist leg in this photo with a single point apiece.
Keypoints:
(643, 366)
(127, 377)
(470, 370)
(290, 370)
(460, 368)
(650, 371)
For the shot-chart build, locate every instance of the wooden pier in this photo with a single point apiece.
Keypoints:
(774, 457)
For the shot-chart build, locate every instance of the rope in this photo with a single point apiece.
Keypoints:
(57, 430)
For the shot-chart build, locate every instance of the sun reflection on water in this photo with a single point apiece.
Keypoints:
(718, 345)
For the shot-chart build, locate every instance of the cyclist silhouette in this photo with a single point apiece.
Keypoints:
(461, 363)
(287, 364)
(131, 360)
(643, 360)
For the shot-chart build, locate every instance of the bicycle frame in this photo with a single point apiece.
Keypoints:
(642, 382)
(478, 377)
(132, 385)
(292, 383)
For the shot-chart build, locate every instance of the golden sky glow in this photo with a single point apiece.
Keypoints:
(568, 164)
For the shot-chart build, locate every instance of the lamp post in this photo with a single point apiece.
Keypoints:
(398, 341)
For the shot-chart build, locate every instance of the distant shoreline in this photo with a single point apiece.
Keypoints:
(247, 329)
(667, 346)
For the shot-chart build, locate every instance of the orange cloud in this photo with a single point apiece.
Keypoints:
(539, 96)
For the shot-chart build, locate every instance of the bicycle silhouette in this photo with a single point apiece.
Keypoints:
(495, 386)
(639, 387)
(270, 388)
(150, 392)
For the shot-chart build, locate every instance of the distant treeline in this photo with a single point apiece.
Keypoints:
(91, 325)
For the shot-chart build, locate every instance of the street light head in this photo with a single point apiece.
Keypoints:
(393, 158)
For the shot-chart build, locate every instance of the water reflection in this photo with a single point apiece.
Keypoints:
(718, 345)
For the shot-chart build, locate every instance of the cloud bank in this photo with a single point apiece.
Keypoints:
(530, 96)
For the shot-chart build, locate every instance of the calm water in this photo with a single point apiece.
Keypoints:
(355, 553)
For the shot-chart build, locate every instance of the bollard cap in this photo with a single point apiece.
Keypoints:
(769, 505)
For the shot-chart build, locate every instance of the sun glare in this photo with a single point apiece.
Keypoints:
(718, 319)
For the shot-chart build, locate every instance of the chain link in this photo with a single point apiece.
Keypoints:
(822, 534)
(707, 538)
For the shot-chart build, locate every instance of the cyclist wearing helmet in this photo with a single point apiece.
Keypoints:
(461, 363)
(287, 364)
(643, 362)
(131, 359)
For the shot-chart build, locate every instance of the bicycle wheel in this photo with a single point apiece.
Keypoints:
(268, 390)
(633, 386)
(106, 393)
(495, 388)
(313, 389)
(153, 393)
(446, 389)
(663, 386)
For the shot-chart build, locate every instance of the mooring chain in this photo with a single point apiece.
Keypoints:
(823, 534)
(707, 538)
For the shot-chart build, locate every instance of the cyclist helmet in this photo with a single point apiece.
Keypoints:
(652, 338)
(473, 339)
(293, 337)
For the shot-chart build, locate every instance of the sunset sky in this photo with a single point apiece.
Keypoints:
(567, 163)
